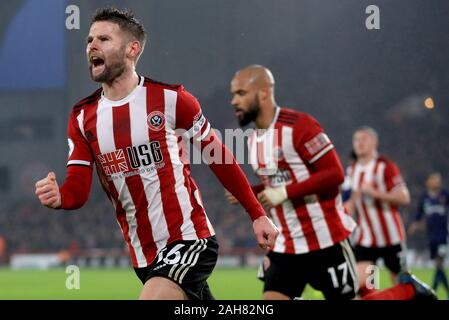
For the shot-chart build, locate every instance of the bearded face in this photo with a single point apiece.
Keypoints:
(246, 115)
(106, 52)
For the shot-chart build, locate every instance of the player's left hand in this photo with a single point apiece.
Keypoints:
(272, 197)
(265, 231)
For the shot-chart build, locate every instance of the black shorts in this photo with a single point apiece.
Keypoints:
(187, 263)
(331, 270)
(437, 250)
(393, 256)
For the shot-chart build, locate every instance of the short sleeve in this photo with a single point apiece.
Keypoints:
(189, 116)
(79, 150)
(392, 176)
(310, 141)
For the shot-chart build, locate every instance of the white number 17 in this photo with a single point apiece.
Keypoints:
(343, 267)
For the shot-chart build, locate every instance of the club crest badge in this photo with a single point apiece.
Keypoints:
(156, 120)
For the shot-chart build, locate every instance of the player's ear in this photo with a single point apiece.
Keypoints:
(133, 50)
(262, 93)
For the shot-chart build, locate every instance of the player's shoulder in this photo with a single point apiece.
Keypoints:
(386, 160)
(292, 117)
(148, 82)
(87, 101)
(390, 165)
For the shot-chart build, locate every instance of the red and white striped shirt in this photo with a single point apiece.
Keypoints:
(138, 159)
(379, 222)
(285, 154)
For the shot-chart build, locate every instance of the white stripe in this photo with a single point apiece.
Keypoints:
(292, 157)
(204, 247)
(195, 129)
(252, 146)
(296, 232)
(347, 221)
(268, 149)
(319, 224)
(106, 144)
(196, 194)
(351, 262)
(80, 119)
(205, 133)
(188, 259)
(78, 162)
(184, 257)
(388, 214)
(150, 180)
(321, 153)
(187, 228)
(279, 245)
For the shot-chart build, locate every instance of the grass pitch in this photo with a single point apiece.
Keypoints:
(123, 284)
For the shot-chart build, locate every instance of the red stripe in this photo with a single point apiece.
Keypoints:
(377, 205)
(398, 222)
(122, 139)
(90, 123)
(260, 153)
(307, 228)
(170, 202)
(365, 213)
(333, 221)
(198, 214)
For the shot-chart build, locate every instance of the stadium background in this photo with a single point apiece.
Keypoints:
(325, 63)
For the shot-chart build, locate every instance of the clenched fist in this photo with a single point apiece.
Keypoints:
(266, 232)
(47, 191)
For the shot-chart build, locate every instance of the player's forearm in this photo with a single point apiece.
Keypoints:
(396, 197)
(234, 180)
(327, 174)
(76, 187)
(317, 183)
(257, 188)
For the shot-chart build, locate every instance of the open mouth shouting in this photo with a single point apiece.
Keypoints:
(97, 64)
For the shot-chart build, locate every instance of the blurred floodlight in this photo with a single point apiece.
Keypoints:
(428, 103)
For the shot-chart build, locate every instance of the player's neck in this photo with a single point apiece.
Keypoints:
(265, 117)
(366, 159)
(122, 86)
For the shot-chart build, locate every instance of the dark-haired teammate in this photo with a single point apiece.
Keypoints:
(128, 129)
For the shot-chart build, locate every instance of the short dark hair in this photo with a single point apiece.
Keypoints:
(125, 20)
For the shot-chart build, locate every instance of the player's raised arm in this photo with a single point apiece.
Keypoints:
(224, 166)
